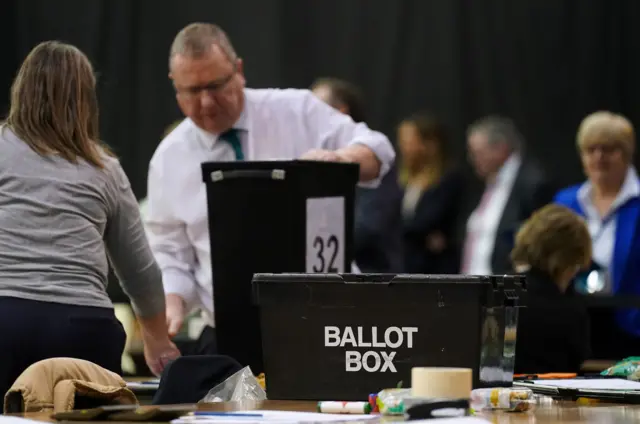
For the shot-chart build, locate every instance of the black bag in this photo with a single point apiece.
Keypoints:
(188, 379)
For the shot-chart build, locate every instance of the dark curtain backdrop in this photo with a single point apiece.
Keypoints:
(544, 63)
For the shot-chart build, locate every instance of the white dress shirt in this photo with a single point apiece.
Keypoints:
(603, 228)
(275, 125)
(482, 226)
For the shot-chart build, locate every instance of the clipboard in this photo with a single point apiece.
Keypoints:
(616, 390)
(128, 413)
(92, 414)
(157, 413)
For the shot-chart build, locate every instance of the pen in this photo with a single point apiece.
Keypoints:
(332, 407)
(548, 376)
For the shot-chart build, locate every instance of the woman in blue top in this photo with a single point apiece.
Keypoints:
(610, 202)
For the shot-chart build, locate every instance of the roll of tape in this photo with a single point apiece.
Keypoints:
(441, 383)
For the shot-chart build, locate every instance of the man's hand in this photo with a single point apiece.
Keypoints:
(355, 153)
(175, 313)
(323, 155)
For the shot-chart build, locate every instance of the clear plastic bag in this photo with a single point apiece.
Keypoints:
(391, 401)
(503, 398)
(240, 387)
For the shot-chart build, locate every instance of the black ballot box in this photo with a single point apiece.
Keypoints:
(328, 337)
(272, 217)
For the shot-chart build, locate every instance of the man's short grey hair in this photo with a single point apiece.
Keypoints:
(196, 39)
(499, 130)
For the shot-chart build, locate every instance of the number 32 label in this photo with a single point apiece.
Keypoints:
(325, 235)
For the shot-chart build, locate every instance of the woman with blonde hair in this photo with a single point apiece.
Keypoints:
(431, 188)
(610, 202)
(553, 331)
(66, 206)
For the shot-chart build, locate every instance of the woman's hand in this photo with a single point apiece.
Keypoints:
(159, 350)
(158, 353)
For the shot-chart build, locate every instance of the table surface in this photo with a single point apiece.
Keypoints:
(551, 413)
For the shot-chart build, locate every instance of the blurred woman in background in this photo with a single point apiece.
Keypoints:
(550, 248)
(610, 202)
(431, 188)
(65, 204)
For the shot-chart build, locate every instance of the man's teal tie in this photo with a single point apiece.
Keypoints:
(233, 138)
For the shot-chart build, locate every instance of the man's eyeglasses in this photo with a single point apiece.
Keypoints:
(212, 87)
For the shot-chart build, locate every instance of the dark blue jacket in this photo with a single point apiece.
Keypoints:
(625, 268)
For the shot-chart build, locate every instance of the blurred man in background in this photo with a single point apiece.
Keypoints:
(514, 187)
(378, 219)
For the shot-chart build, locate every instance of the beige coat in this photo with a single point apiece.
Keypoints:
(54, 384)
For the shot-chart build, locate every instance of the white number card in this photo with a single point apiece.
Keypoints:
(325, 235)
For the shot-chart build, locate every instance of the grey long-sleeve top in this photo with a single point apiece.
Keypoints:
(59, 224)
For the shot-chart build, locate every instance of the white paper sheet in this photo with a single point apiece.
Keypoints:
(284, 417)
(591, 384)
(6, 419)
(144, 385)
(460, 420)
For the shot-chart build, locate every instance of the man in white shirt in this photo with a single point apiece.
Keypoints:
(513, 189)
(226, 121)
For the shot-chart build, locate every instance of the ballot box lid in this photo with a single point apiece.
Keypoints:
(344, 336)
(494, 290)
(213, 172)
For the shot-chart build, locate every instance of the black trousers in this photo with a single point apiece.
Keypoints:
(205, 345)
(31, 331)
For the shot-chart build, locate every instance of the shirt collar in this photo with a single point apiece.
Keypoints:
(510, 167)
(509, 170)
(630, 189)
(241, 124)
(243, 120)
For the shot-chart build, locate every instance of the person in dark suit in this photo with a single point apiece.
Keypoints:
(514, 187)
(377, 228)
(553, 330)
(431, 189)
